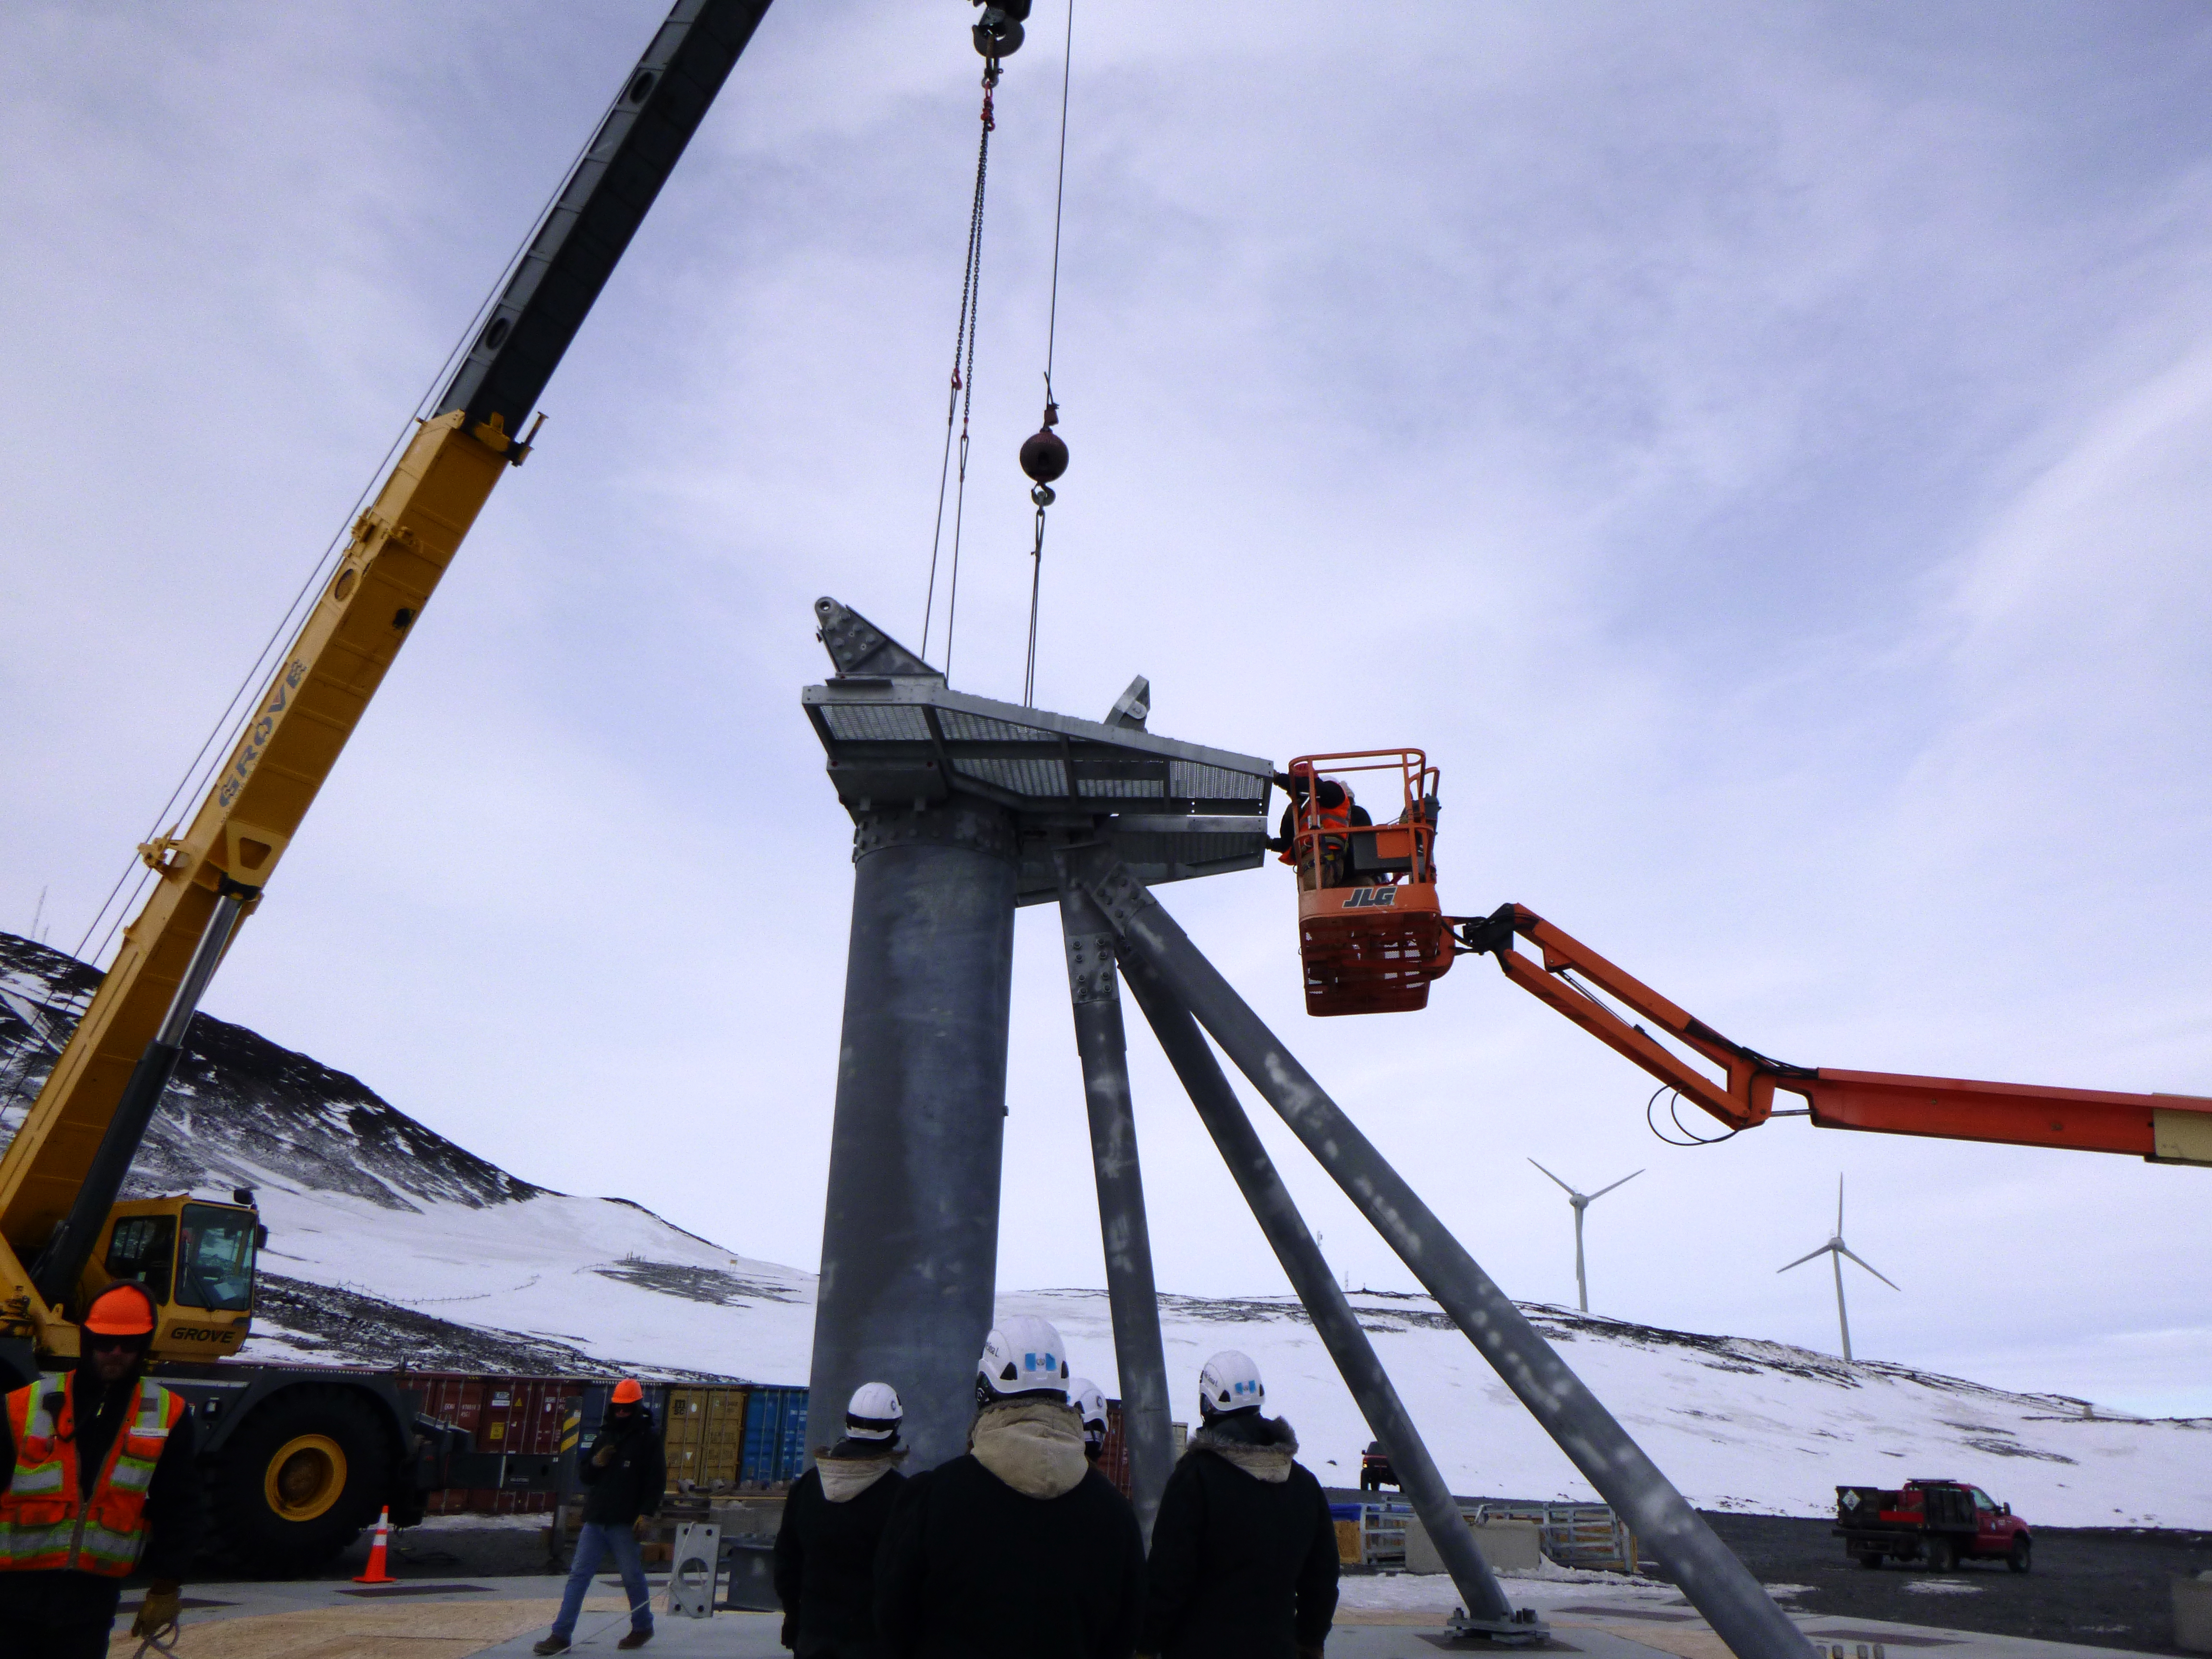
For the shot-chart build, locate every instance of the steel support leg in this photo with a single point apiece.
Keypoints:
(1138, 1354)
(910, 1228)
(1487, 1609)
(1716, 1582)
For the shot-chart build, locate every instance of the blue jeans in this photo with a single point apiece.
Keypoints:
(593, 1543)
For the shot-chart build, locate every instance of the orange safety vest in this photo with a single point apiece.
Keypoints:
(1310, 814)
(46, 1524)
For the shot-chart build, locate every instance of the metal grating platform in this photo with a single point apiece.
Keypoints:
(896, 736)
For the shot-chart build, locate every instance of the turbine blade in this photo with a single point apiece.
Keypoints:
(1623, 1182)
(1562, 1185)
(1839, 1207)
(1876, 1271)
(1803, 1259)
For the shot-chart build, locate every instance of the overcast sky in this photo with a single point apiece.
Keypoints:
(1762, 454)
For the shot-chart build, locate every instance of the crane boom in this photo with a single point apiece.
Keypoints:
(2162, 1128)
(398, 550)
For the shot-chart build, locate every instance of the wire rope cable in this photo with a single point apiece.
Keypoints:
(960, 398)
(1042, 494)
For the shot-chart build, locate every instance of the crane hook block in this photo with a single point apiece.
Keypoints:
(998, 32)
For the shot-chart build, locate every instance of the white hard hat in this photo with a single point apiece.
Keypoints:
(1021, 1356)
(1229, 1382)
(1089, 1401)
(874, 1412)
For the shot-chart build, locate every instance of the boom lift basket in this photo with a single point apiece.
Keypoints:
(1370, 934)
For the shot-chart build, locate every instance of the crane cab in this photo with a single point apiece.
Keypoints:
(195, 1257)
(1370, 933)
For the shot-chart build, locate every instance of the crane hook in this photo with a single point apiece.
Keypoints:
(998, 32)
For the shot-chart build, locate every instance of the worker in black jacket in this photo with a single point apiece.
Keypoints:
(97, 1479)
(1243, 1561)
(624, 1474)
(833, 1525)
(1020, 1549)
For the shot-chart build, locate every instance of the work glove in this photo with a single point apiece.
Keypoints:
(159, 1612)
(601, 1458)
(789, 1635)
(642, 1525)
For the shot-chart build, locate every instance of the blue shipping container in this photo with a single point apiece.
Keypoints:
(775, 1437)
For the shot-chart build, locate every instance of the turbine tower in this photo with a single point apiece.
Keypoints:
(1835, 1249)
(1583, 1201)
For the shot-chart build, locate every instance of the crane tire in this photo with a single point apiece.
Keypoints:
(299, 1480)
(2017, 1558)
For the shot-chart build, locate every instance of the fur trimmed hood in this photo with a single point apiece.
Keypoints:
(1034, 1446)
(1263, 1447)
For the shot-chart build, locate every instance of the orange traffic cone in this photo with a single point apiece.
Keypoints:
(376, 1574)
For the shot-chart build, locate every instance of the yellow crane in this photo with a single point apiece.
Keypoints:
(325, 1455)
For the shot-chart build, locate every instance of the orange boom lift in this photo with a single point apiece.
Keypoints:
(1372, 935)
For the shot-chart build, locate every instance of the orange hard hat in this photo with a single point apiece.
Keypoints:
(121, 1310)
(627, 1392)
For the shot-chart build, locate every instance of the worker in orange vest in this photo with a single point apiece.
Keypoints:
(101, 1483)
(1322, 858)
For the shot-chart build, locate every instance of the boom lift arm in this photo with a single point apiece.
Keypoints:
(60, 1175)
(2162, 1128)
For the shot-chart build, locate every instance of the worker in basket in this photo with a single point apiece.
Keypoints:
(100, 1482)
(1323, 859)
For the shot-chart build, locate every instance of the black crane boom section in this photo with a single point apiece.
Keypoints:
(590, 224)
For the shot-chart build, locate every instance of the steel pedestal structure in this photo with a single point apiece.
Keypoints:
(967, 808)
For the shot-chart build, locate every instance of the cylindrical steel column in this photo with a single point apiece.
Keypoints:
(1130, 1293)
(1716, 1584)
(910, 1228)
(1334, 1320)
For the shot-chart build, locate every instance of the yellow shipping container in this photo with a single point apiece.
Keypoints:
(705, 1441)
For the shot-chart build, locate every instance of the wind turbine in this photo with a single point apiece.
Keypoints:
(1583, 1201)
(1835, 1249)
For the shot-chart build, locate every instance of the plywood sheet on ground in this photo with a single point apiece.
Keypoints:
(418, 1630)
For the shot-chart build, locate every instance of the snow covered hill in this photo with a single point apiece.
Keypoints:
(387, 1240)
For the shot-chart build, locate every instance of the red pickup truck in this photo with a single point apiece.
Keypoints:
(1939, 1521)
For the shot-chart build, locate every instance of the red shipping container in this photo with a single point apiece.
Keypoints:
(521, 1414)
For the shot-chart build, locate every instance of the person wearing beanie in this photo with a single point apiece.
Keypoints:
(833, 1524)
(99, 1481)
(1020, 1548)
(624, 1474)
(1243, 1559)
